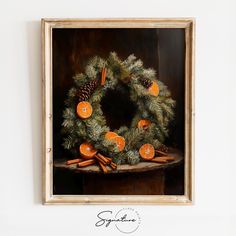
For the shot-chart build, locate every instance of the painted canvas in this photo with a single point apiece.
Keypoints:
(119, 111)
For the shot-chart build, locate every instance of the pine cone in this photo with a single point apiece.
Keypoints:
(145, 82)
(162, 148)
(85, 91)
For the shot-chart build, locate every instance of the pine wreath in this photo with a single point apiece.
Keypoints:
(149, 124)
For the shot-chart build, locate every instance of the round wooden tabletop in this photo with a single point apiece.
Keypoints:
(140, 167)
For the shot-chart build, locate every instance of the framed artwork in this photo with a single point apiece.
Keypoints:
(118, 111)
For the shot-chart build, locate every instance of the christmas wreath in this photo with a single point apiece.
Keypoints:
(85, 126)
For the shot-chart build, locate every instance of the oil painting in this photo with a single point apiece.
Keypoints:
(118, 105)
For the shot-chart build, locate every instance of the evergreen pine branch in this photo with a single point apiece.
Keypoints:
(80, 79)
(132, 157)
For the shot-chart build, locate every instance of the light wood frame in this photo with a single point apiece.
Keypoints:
(47, 25)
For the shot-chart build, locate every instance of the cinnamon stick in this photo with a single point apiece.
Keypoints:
(74, 161)
(109, 159)
(168, 158)
(103, 167)
(103, 76)
(163, 159)
(161, 153)
(106, 159)
(86, 163)
(113, 166)
(102, 159)
(158, 160)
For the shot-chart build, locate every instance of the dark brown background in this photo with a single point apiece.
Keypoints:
(161, 49)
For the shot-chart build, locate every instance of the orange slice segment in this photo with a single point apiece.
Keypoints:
(110, 135)
(154, 89)
(144, 123)
(120, 142)
(84, 110)
(87, 150)
(147, 151)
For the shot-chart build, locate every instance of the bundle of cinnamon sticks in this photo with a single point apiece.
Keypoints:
(162, 157)
(98, 158)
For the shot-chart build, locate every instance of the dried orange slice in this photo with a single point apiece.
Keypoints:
(110, 135)
(115, 138)
(87, 150)
(144, 123)
(147, 151)
(120, 142)
(84, 110)
(154, 89)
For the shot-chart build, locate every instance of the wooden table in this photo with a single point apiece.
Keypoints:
(143, 178)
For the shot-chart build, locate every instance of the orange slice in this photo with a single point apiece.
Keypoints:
(87, 150)
(115, 138)
(84, 110)
(154, 89)
(144, 123)
(110, 135)
(147, 151)
(120, 142)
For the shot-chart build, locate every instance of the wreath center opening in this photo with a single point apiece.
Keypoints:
(118, 108)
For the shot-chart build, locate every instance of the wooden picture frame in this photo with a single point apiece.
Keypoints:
(188, 24)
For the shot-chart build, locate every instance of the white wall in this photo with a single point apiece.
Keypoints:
(21, 212)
